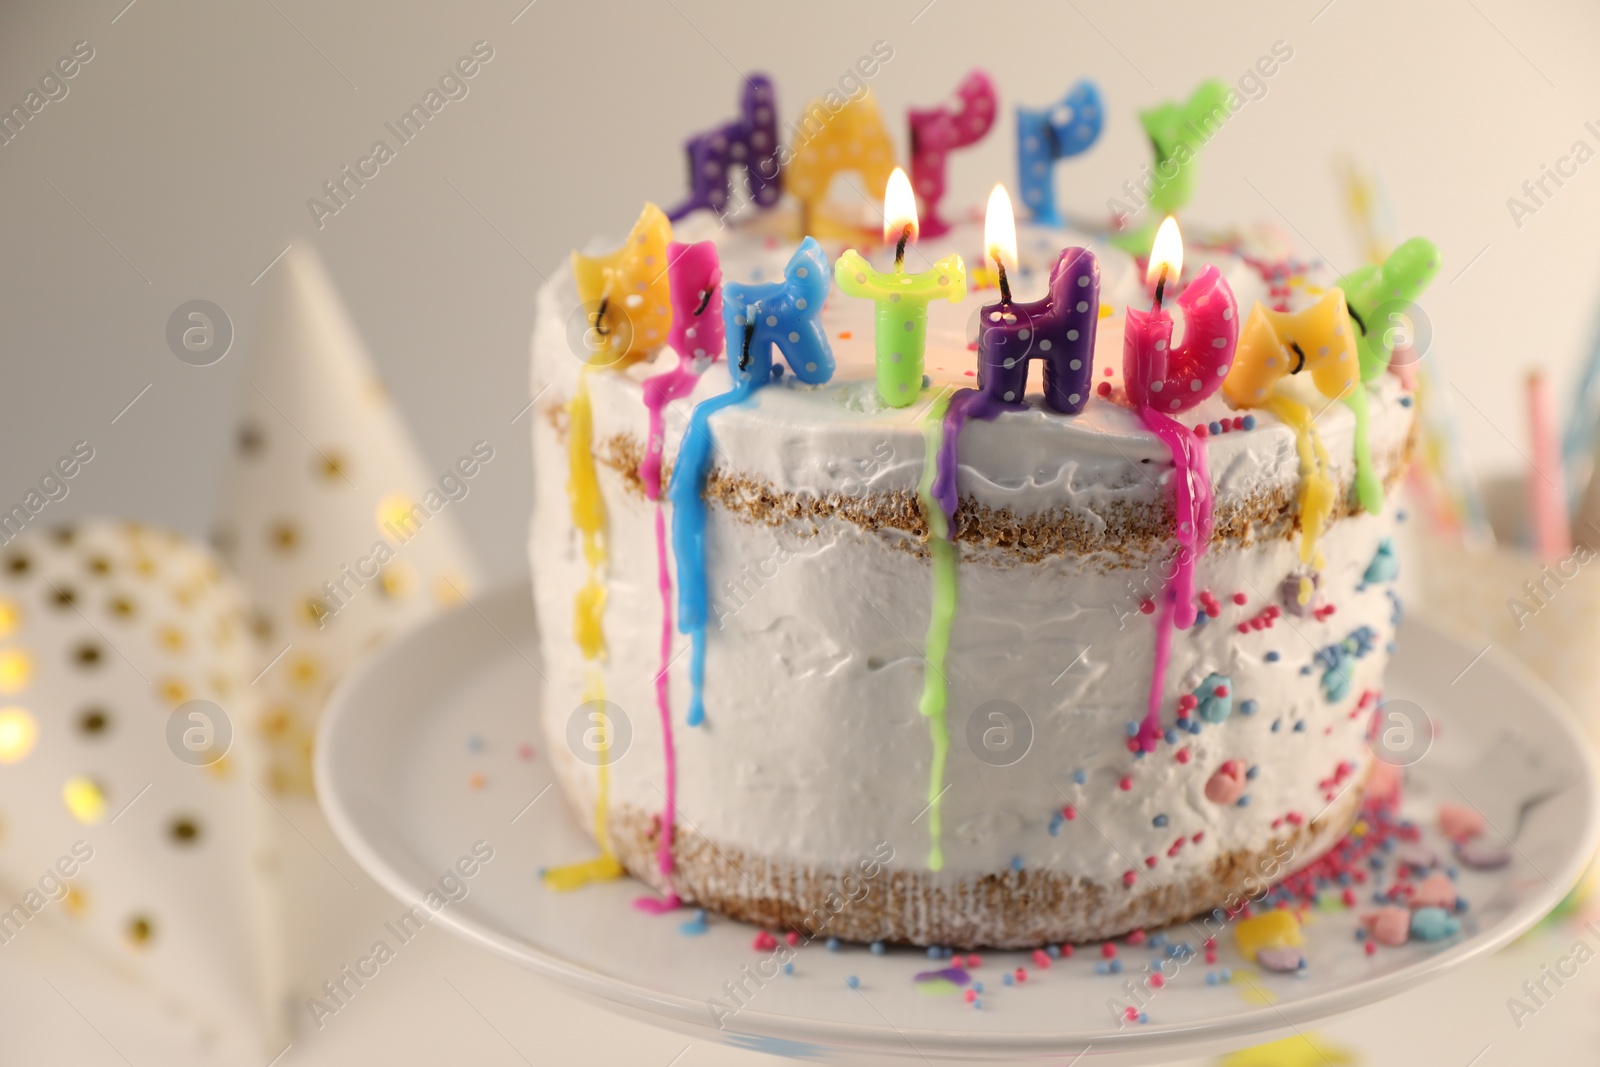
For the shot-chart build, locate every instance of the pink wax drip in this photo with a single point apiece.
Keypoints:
(1160, 379)
(695, 278)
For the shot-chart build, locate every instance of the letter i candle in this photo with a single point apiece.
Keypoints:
(1160, 382)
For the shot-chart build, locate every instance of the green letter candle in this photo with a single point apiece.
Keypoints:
(902, 312)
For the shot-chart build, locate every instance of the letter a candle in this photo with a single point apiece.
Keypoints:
(902, 299)
(1161, 381)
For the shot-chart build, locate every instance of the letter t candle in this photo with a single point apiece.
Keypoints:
(1162, 380)
(902, 313)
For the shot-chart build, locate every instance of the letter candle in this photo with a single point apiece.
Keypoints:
(696, 335)
(1047, 136)
(751, 141)
(1160, 381)
(759, 317)
(1058, 329)
(937, 131)
(828, 141)
(902, 299)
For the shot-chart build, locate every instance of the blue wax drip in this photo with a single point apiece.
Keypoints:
(689, 532)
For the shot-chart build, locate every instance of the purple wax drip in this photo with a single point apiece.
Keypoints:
(750, 141)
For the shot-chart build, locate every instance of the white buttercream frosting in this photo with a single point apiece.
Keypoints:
(814, 750)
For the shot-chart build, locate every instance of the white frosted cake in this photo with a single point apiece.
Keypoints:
(809, 793)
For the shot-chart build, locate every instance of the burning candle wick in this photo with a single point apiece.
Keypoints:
(1005, 284)
(1161, 287)
(900, 248)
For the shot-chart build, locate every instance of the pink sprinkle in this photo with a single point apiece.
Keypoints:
(1108, 372)
(1130, 1013)
(1183, 755)
(1149, 861)
(792, 938)
(1021, 974)
(1146, 607)
(1211, 955)
(1221, 690)
(1200, 429)
(1126, 783)
(1238, 422)
(1136, 938)
(1105, 389)
(1243, 627)
(1066, 952)
(1129, 877)
(1069, 813)
(974, 961)
(970, 995)
(1195, 840)
(764, 942)
(958, 961)
(1041, 959)
(1240, 599)
(1156, 981)
(1371, 948)
(1108, 950)
(525, 751)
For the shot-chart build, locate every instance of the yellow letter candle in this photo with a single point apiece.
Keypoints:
(830, 141)
(902, 312)
(625, 294)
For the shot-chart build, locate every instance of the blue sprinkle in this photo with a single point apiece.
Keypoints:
(1227, 975)
(1016, 863)
(1300, 727)
(1079, 777)
(934, 952)
(1273, 656)
(977, 987)
(1116, 966)
(1462, 904)
(788, 968)
(1157, 940)
(1244, 801)
(926, 381)
(1405, 401)
(777, 371)
(1252, 772)
(1215, 428)
(1247, 707)
(1249, 422)
(475, 743)
(1275, 724)
(853, 982)
(1133, 729)
(1159, 820)
(1053, 951)
(1211, 978)
(1139, 754)
(1306, 669)
(1219, 915)
(1006, 979)
(977, 1003)
(1361, 934)
(1172, 737)
(1100, 968)
(833, 944)
(1194, 726)
(876, 948)
(1143, 1018)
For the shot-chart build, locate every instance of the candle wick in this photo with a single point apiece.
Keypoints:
(900, 248)
(1356, 316)
(600, 316)
(1161, 287)
(744, 355)
(705, 299)
(1300, 366)
(1005, 284)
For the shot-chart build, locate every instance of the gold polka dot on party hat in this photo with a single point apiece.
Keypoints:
(121, 607)
(18, 565)
(331, 465)
(61, 596)
(98, 566)
(313, 611)
(64, 535)
(283, 537)
(16, 670)
(10, 618)
(172, 691)
(261, 625)
(77, 901)
(224, 540)
(146, 566)
(172, 639)
(394, 511)
(395, 580)
(277, 721)
(221, 684)
(183, 830)
(304, 670)
(93, 722)
(87, 655)
(18, 732)
(450, 590)
(139, 931)
(84, 799)
(251, 440)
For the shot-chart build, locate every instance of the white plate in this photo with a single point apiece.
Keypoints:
(405, 735)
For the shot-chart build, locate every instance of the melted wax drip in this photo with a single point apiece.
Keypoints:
(935, 684)
(1317, 489)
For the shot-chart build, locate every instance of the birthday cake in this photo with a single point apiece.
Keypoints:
(851, 627)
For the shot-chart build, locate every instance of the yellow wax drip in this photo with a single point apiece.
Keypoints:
(1317, 488)
(588, 628)
(935, 686)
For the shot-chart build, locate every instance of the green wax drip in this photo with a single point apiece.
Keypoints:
(935, 686)
(1369, 490)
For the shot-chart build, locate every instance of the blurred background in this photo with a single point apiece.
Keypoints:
(177, 164)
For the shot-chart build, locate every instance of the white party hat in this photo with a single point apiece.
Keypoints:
(128, 809)
(341, 535)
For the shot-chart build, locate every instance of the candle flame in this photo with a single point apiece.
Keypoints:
(899, 207)
(1000, 229)
(1166, 251)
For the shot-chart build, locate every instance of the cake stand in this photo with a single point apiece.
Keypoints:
(430, 757)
